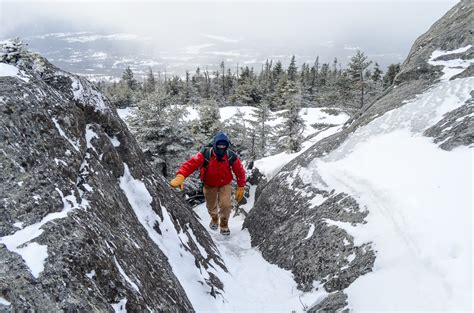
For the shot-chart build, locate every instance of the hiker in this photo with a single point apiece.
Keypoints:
(216, 163)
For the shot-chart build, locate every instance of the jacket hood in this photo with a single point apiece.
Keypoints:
(221, 136)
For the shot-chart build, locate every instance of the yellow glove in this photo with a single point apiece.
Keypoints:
(239, 194)
(178, 181)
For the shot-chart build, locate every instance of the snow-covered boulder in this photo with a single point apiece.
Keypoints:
(85, 223)
(379, 214)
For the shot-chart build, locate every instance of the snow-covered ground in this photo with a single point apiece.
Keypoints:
(252, 284)
(309, 115)
(419, 199)
(271, 165)
(126, 113)
(12, 71)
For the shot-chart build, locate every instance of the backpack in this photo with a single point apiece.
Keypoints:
(207, 152)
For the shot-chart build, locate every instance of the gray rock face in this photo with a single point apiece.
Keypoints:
(456, 128)
(331, 303)
(280, 222)
(72, 236)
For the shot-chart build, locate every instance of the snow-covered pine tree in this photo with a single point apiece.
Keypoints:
(389, 77)
(323, 74)
(222, 83)
(247, 91)
(377, 73)
(290, 133)
(292, 70)
(277, 71)
(150, 82)
(238, 129)
(356, 70)
(151, 116)
(263, 131)
(209, 121)
(129, 78)
(160, 129)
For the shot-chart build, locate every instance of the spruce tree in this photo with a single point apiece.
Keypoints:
(356, 70)
(277, 71)
(237, 128)
(377, 73)
(161, 131)
(247, 91)
(150, 82)
(209, 120)
(389, 77)
(292, 70)
(129, 79)
(291, 130)
(260, 124)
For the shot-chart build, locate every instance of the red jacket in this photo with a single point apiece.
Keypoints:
(217, 173)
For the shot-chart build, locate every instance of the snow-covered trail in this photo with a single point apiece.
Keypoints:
(252, 284)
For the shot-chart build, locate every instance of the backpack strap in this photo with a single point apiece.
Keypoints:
(231, 156)
(207, 152)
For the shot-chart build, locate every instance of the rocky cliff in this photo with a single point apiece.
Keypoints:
(301, 222)
(85, 223)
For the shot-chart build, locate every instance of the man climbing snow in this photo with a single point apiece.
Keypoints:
(216, 163)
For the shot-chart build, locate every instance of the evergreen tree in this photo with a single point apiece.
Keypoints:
(150, 82)
(224, 81)
(334, 70)
(209, 120)
(344, 88)
(377, 73)
(129, 79)
(262, 130)
(356, 70)
(292, 70)
(323, 75)
(247, 91)
(161, 131)
(389, 77)
(277, 71)
(174, 86)
(290, 134)
(237, 128)
(314, 80)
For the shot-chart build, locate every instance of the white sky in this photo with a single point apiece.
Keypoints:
(235, 17)
(269, 27)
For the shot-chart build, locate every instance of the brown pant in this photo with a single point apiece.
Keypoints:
(219, 196)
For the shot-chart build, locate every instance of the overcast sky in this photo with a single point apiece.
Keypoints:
(270, 27)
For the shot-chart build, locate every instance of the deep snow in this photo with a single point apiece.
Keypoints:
(419, 199)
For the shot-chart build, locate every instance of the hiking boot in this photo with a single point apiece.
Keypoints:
(214, 224)
(224, 222)
(224, 226)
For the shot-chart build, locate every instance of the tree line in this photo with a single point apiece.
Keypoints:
(163, 130)
(318, 84)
